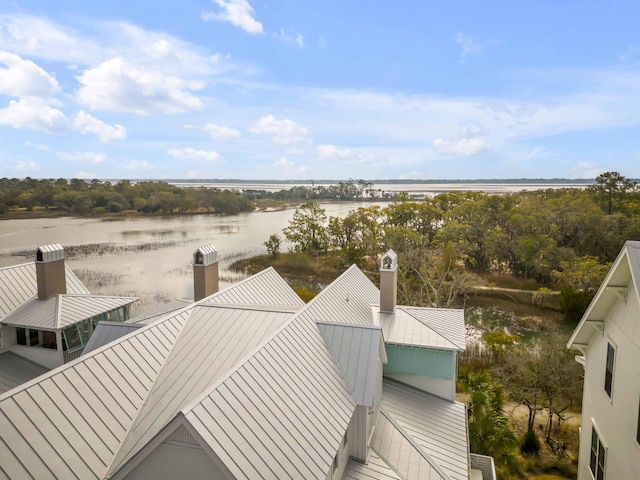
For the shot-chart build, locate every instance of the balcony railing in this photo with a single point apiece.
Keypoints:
(485, 465)
(72, 354)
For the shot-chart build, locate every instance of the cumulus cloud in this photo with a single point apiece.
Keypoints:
(86, 123)
(284, 132)
(138, 165)
(332, 152)
(117, 85)
(20, 78)
(289, 167)
(188, 153)
(217, 132)
(467, 45)
(39, 146)
(26, 166)
(34, 113)
(463, 147)
(90, 158)
(237, 12)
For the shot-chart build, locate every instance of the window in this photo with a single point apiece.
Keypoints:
(598, 456)
(608, 376)
(33, 338)
(21, 336)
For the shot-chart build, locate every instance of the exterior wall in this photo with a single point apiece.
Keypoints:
(432, 371)
(169, 461)
(42, 356)
(615, 418)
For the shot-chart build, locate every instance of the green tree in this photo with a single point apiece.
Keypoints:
(612, 190)
(273, 245)
(307, 230)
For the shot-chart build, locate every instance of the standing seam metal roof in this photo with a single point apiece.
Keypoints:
(19, 284)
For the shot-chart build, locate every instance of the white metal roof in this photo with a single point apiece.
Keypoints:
(162, 311)
(61, 310)
(374, 469)
(263, 288)
(70, 422)
(212, 342)
(51, 252)
(15, 370)
(423, 327)
(400, 451)
(625, 273)
(209, 255)
(438, 426)
(18, 283)
(355, 349)
(347, 300)
(107, 332)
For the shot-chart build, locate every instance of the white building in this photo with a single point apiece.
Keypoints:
(608, 338)
(250, 382)
(47, 316)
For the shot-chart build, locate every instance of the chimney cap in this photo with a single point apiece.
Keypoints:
(49, 253)
(205, 255)
(389, 261)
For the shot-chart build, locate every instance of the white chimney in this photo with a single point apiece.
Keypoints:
(205, 272)
(389, 282)
(50, 272)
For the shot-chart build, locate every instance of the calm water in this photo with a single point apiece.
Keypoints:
(149, 257)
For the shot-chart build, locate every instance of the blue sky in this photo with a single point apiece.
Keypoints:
(257, 89)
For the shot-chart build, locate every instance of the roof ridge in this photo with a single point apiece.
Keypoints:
(17, 265)
(117, 455)
(407, 309)
(235, 285)
(414, 444)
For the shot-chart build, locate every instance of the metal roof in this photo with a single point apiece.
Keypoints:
(374, 469)
(15, 370)
(355, 349)
(347, 300)
(61, 310)
(162, 311)
(212, 342)
(209, 255)
(280, 414)
(107, 332)
(438, 426)
(18, 284)
(51, 252)
(398, 449)
(625, 273)
(423, 327)
(263, 288)
(70, 422)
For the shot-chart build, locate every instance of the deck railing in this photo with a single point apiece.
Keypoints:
(72, 354)
(485, 465)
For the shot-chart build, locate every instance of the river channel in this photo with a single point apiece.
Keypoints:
(148, 257)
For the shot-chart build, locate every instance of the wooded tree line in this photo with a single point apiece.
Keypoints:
(559, 237)
(81, 197)
(346, 190)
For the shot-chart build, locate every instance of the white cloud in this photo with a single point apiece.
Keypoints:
(283, 132)
(463, 147)
(20, 78)
(217, 132)
(189, 153)
(34, 113)
(331, 152)
(138, 165)
(90, 158)
(237, 12)
(467, 45)
(587, 170)
(26, 166)
(86, 123)
(470, 131)
(117, 85)
(297, 38)
(85, 175)
(289, 167)
(39, 146)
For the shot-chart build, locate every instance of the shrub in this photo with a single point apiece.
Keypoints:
(529, 444)
(573, 303)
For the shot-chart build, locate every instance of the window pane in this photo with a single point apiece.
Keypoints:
(608, 377)
(21, 336)
(33, 338)
(72, 337)
(49, 340)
